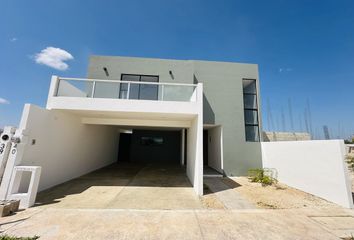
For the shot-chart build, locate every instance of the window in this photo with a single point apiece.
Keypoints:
(139, 91)
(151, 141)
(250, 110)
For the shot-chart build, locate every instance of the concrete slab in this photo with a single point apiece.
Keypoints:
(272, 225)
(123, 186)
(342, 226)
(230, 198)
(169, 224)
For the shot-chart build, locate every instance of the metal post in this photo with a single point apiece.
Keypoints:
(162, 91)
(128, 93)
(93, 89)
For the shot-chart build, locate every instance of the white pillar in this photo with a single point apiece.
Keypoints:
(183, 136)
(53, 90)
(195, 146)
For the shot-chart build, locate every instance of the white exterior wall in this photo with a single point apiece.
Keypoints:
(65, 148)
(142, 113)
(316, 167)
(195, 155)
(215, 149)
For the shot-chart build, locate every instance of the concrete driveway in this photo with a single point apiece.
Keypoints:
(125, 186)
(262, 224)
(158, 202)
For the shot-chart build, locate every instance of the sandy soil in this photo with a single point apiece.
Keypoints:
(210, 201)
(278, 196)
(351, 173)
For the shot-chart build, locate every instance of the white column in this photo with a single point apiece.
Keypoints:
(195, 146)
(53, 90)
(183, 135)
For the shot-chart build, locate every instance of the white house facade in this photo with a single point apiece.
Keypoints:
(193, 114)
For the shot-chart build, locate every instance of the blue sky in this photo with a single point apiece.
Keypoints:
(305, 49)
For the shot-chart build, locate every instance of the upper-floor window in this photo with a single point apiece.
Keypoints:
(250, 110)
(139, 91)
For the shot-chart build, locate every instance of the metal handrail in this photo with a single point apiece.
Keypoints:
(123, 81)
(96, 81)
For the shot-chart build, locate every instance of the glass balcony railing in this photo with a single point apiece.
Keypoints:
(118, 89)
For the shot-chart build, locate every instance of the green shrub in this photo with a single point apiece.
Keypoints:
(260, 175)
(350, 161)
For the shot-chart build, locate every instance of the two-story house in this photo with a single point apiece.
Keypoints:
(194, 114)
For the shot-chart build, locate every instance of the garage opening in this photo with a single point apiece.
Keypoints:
(150, 146)
(147, 172)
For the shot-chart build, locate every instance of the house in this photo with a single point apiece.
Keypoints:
(199, 117)
(197, 114)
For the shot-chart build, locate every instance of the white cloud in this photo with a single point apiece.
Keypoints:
(285, 70)
(13, 39)
(4, 101)
(54, 57)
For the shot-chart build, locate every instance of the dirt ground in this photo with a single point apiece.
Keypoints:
(351, 175)
(278, 196)
(210, 201)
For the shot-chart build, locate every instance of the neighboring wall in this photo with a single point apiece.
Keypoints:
(316, 167)
(285, 136)
(64, 147)
(223, 105)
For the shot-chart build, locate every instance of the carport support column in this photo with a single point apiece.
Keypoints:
(195, 146)
(183, 137)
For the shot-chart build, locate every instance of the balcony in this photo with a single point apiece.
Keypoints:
(131, 90)
(97, 98)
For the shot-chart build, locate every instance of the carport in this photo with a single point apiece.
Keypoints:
(87, 160)
(125, 185)
(149, 173)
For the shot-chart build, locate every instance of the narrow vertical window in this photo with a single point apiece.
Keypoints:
(250, 110)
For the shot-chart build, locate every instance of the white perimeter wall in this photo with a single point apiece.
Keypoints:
(65, 148)
(215, 153)
(316, 167)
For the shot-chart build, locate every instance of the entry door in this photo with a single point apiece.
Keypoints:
(139, 91)
(124, 147)
(205, 147)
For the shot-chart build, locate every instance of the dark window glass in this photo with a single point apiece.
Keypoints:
(151, 141)
(148, 91)
(128, 77)
(139, 91)
(249, 86)
(250, 110)
(252, 133)
(250, 101)
(251, 117)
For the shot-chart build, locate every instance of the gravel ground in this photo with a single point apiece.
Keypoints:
(278, 196)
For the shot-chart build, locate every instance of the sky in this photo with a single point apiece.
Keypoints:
(304, 50)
